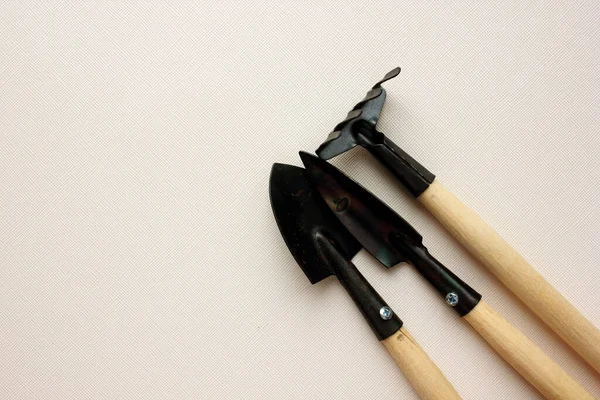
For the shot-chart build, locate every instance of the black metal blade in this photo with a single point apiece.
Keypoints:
(322, 246)
(370, 221)
(305, 222)
(386, 235)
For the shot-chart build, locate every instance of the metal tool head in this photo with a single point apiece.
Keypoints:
(312, 233)
(371, 222)
(363, 118)
(359, 128)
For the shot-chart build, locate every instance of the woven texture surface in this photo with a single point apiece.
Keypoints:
(139, 257)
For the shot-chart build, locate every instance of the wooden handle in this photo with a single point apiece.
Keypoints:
(421, 372)
(520, 352)
(512, 269)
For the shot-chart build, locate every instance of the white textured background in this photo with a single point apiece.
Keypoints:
(139, 255)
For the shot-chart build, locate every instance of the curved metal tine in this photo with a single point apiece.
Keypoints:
(337, 142)
(392, 74)
(351, 115)
(341, 139)
(371, 94)
(375, 109)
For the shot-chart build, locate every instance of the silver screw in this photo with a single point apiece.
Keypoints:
(385, 313)
(452, 299)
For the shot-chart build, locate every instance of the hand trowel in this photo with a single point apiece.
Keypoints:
(323, 247)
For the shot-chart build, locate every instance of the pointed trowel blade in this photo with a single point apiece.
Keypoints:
(370, 221)
(309, 229)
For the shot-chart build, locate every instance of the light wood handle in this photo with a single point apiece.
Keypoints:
(525, 357)
(512, 270)
(425, 377)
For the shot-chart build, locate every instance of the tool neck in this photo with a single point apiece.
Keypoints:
(455, 292)
(413, 176)
(382, 320)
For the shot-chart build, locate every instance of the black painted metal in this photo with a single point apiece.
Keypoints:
(440, 277)
(386, 235)
(321, 245)
(366, 298)
(359, 128)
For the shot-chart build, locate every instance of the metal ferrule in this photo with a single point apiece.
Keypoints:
(368, 301)
(440, 277)
(413, 176)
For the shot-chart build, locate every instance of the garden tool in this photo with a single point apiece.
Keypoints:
(360, 128)
(323, 247)
(392, 240)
